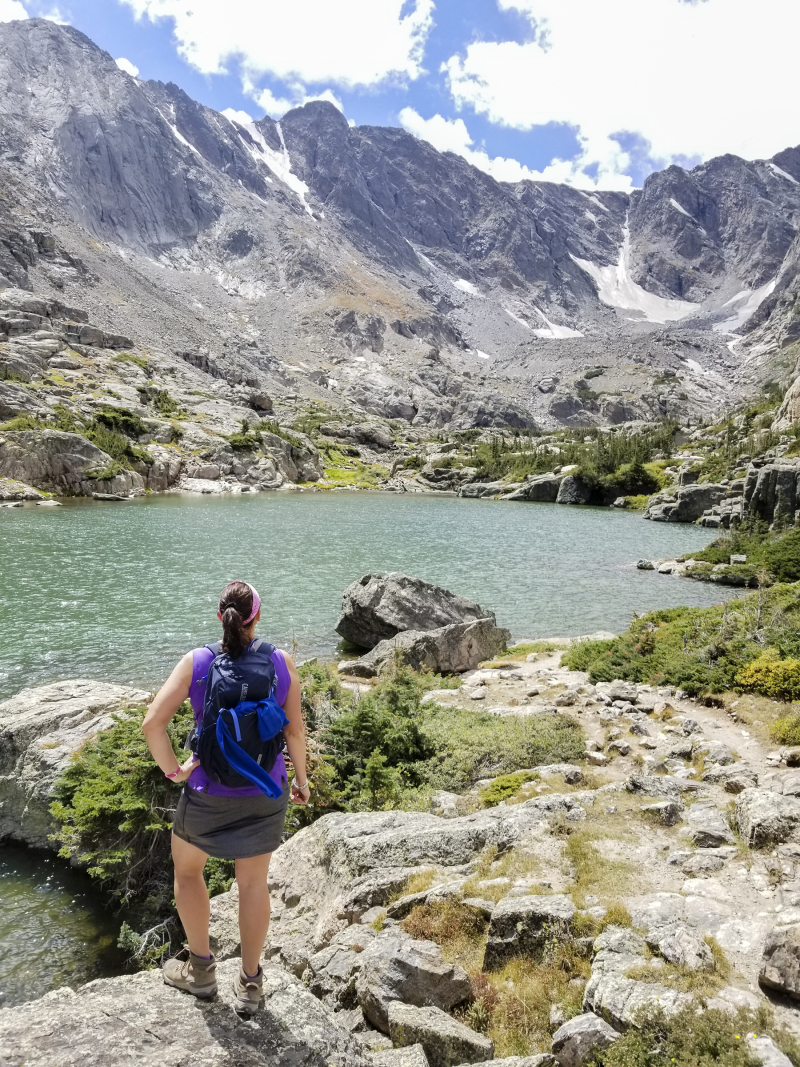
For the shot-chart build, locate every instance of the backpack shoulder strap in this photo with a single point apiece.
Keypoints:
(216, 648)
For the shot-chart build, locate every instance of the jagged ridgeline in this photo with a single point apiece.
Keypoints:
(352, 278)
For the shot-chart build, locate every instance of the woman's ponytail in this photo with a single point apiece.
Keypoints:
(235, 606)
(234, 641)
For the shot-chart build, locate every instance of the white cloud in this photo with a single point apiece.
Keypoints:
(54, 15)
(693, 79)
(452, 135)
(127, 66)
(11, 10)
(347, 42)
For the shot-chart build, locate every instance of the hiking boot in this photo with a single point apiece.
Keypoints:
(248, 991)
(194, 974)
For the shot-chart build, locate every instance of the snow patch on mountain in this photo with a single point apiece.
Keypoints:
(782, 173)
(467, 287)
(616, 288)
(278, 162)
(746, 304)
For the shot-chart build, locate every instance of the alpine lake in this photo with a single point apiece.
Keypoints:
(120, 591)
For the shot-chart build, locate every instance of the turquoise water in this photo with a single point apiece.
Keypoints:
(53, 931)
(121, 591)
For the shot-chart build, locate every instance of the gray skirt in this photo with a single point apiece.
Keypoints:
(231, 828)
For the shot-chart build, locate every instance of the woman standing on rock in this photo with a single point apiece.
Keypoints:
(245, 695)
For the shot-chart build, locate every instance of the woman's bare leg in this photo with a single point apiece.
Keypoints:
(191, 895)
(251, 874)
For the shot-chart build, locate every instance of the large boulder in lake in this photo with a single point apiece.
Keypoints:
(448, 650)
(39, 731)
(378, 607)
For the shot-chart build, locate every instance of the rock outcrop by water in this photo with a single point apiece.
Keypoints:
(432, 628)
(378, 607)
(39, 731)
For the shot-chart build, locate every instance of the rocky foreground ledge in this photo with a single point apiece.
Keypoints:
(702, 817)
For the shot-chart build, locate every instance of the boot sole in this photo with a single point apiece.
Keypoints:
(206, 994)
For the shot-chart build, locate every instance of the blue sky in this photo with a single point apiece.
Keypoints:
(567, 90)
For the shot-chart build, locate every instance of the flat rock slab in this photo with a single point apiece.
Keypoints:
(620, 1001)
(708, 828)
(413, 1056)
(544, 1059)
(446, 1041)
(137, 1020)
(519, 926)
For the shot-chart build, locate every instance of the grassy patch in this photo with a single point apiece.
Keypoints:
(22, 422)
(528, 648)
(452, 924)
(128, 357)
(470, 745)
(516, 863)
(354, 474)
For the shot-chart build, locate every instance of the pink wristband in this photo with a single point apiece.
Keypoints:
(173, 775)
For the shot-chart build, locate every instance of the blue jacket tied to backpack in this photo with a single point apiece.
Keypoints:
(242, 729)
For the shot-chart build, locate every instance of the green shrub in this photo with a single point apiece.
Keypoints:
(104, 474)
(786, 730)
(121, 420)
(507, 785)
(114, 810)
(116, 444)
(771, 677)
(697, 649)
(693, 1038)
(413, 463)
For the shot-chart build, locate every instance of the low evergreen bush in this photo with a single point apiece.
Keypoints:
(700, 649)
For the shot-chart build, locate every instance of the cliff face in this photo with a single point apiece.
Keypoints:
(316, 244)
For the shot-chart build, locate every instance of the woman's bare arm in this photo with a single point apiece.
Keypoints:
(295, 734)
(161, 713)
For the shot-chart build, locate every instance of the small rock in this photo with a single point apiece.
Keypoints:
(622, 747)
(477, 694)
(597, 759)
(445, 1040)
(645, 565)
(519, 926)
(576, 1040)
(669, 812)
(780, 963)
